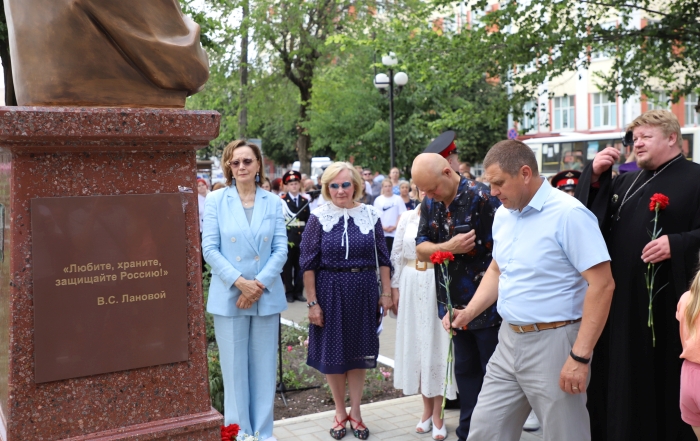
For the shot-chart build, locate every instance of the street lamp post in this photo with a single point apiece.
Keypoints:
(382, 82)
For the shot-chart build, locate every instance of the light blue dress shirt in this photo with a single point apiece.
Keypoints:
(541, 253)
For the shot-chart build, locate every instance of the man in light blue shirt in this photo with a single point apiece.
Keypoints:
(551, 276)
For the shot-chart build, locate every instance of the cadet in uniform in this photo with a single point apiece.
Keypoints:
(294, 204)
(566, 181)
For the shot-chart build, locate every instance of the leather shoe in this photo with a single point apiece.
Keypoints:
(290, 298)
(300, 297)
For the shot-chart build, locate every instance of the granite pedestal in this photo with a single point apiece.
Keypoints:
(73, 153)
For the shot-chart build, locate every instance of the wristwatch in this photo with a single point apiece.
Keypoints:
(312, 304)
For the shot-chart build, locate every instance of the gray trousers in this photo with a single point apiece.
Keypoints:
(523, 373)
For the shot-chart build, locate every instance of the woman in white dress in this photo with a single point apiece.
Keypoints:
(421, 342)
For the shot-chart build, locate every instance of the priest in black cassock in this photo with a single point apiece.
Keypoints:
(635, 382)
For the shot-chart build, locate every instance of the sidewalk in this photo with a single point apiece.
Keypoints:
(297, 312)
(387, 420)
(391, 420)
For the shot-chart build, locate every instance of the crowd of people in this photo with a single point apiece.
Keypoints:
(572, 304)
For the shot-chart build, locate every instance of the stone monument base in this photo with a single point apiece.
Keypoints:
(77, 152)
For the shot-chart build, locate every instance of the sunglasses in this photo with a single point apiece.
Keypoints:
(236, 163)
(345, 185)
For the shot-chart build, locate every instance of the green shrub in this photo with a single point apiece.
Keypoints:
(216, 380)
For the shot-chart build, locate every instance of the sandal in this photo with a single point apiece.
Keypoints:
(439, 432)
(339, 434)
(359, 433)
(424, 426)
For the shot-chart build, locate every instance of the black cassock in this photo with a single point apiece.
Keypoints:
(634, 389)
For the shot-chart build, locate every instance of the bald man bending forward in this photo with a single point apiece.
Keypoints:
(453, 202)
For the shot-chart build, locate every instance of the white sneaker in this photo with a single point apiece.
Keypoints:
(532, 423)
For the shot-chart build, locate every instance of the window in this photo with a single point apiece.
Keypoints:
(692, 118)
(630, 110)
(528, 122)
(604, 111)
(658, 101)
(564, 113)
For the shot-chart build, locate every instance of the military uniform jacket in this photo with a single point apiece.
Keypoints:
(296, 227)
(475, 206)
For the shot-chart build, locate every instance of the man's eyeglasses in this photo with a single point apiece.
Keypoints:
(236, 163)
(366, 173)
(345, 185)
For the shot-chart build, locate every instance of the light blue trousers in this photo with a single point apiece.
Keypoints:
(247, 350)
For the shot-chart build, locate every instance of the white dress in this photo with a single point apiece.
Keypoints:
(421, 342)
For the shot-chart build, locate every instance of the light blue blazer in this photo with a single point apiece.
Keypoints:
(234, 248)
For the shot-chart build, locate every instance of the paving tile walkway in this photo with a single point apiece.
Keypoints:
(387, 420)
(391, 420)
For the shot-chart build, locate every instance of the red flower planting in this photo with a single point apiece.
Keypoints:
(440, 257)
(660, 199)
(230, 432)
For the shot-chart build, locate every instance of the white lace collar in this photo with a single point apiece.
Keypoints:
(364, 216)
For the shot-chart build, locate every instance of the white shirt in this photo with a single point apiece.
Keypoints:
(541, 253)
(368, 188)
(390, 208)
(317, 202)
(200, 202)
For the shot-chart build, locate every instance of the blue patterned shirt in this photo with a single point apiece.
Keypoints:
(473, 205)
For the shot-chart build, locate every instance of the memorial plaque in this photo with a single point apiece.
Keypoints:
(110, 288)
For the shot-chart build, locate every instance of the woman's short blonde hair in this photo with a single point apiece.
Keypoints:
(333, 170)
(665, 120)
(228, 154)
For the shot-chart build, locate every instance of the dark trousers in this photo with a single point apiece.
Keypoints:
(472, 352)
(291, 272)
(389, 243)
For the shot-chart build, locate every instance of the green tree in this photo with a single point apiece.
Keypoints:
(295, 35)
(558, 36)
(351, 118)
(221, 93)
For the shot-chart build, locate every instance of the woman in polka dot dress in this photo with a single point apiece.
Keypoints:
(339, 266)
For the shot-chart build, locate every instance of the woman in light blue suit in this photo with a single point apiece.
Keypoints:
(245, 241)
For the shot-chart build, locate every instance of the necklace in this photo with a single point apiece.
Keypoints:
(656, 173)
(247, 200)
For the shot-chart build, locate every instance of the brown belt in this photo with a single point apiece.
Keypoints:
(418, 265)
(536, 327)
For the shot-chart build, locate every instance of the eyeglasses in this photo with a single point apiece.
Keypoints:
(345, 185)
(236, 163)
(366, 173)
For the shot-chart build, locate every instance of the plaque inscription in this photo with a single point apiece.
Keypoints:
(110, 289)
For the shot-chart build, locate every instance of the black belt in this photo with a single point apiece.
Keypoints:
(349, 270)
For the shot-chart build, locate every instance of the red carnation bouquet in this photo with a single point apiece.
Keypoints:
(442, 259)
(230, 432)
(657, 203)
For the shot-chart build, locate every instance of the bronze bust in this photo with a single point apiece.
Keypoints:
(123, 53)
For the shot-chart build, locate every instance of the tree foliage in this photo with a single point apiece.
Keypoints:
(653, 44)
(351, 118)
(337, 106)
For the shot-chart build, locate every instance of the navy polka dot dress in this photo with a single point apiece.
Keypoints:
(348, 340)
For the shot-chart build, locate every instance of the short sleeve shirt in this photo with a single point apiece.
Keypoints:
(474, 206)
(541, 252)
